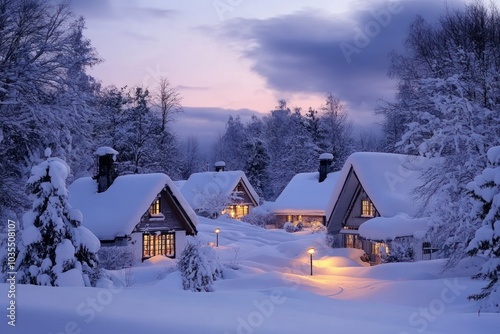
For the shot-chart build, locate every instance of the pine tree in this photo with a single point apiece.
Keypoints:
(256, 165)
(485, 192)
(199, 267)
(56, 250)
(232, 144)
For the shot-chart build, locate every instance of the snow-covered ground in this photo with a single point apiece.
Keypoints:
(271, 291)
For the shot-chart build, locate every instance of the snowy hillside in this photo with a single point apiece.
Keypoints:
(268, 291)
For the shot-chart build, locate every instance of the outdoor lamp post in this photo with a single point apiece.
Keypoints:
(311, 252)
(217, 231)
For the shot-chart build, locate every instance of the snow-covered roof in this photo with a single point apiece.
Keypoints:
(180, 183)
(387, 178)
(103, 150)
(326, 156)
(304, 195)
(215, 182)
(220, 164)
(389, 228)
(116, 211)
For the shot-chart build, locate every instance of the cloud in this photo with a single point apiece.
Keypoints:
(150, 13)
(206, 123)
(139, 37)
(116, 10)
(315, 52)
(191, 88)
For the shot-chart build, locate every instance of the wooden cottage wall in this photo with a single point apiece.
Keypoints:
(354, 218)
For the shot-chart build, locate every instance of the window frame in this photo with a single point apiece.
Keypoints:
(155, 208)
(158, 244)
(367, 208)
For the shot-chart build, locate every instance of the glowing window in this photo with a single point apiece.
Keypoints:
(367, 208)
(155, 208)
(237, 211)
(163, 244)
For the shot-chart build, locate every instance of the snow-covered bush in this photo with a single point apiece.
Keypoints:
(291, 228)
(317, 227)
(334, 240)
(485, 193)
(199, 266)
(400, 250)
(260, 216)
(234, 264)
(211, 203)
(55, 248)
(116, 257)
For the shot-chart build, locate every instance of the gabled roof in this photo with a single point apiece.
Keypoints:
(216, 182)
(305, 195)
(388, 180)
(116, 211)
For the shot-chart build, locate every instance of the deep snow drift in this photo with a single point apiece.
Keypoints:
(267, 289)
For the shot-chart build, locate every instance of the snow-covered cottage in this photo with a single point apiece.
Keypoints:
(306, 198)
(230, 190)
(144, 211)
(373, 204)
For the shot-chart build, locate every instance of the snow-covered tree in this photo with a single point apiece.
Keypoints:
(400, 250)
(167, 101)
(335, 129)
(199, 266)
(55, 249)
(449, 102)
(45, 94)
(192, 161)
(231, 145)
(140, 126)
(485, 192)
(289, 146)
(256, 165)
(109, 124)
(211, 202)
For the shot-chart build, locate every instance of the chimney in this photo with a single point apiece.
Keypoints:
(106, 168)
(325, 161)
(220, 166)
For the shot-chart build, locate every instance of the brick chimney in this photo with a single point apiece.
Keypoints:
(220, 166)
(325, 161)
(106, 168)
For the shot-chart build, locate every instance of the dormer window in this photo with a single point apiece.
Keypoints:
(367, 208)
(155, 209)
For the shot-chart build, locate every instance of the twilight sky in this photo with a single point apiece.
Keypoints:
(241, 56)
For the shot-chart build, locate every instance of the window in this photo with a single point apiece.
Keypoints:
(237, 211)
(239, 188)
(162, 244)
(351, 241)
(428, 249)
(380, 248)
(155, 210)
(367, 209)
